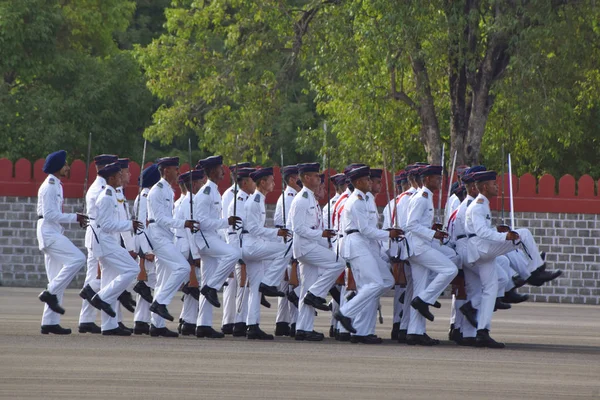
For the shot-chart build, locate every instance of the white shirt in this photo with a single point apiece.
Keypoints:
(207, 210)
(124, 214)
(183, 236)
(478, 221)
(289, 195)
(256, 216)
(109, 223)
(160, 214)
(233, 236)
(91, 196)
(49, 206)
(420, 220)
(306, 222)
(356, 216)
(141, 239)
(328, 211)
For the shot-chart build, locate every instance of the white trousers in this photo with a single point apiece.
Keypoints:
(306, 314)
(229, 301)
(407, 310)
(62, 261)
(226, 255)
(142, 308)
(118, 271)
(88, 312)
(373, 278)
(319, 272)
(218, 261)
(437, 262)
(189, 311)
(172, 270)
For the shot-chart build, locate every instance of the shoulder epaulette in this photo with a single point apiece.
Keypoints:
(108, 192)
(103, 187)
(367, 197)
(305, 195)
(409, 193)
(426, 195)
(359, 196)
(290, 194)
(257, 198)
(479, 201)
(145, 195)
(206, 190)
(240, 198)
(159, 184)
(51, 181)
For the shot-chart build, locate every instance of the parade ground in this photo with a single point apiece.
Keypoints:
(552, 352)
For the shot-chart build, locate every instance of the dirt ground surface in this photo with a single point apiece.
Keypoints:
(553, 352)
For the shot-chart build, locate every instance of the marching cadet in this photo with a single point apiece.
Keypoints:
(359, 248)
(485, 244)
(118, 267)
(61, 258)
(459, 331)
(218, 257)
(171, 267)
(401, 215)
(230, 289)
(402, 185)
(147, 276)
(339, 182)
(424, 257)
(192, 181)
(319, 266)
(341, 333)
(91, 285)
(127, 237)
(287, 310)
(246, 187)
(263, 253)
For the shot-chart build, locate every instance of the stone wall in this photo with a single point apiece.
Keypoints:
(571, 241)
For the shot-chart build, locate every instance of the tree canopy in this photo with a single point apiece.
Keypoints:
(247, 78)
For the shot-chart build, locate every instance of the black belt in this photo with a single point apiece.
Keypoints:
(351, 231)
(40, 217)
(151, 221)
(233, 233)
(465, 236)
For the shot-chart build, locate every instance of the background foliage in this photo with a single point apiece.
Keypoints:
(246, 79)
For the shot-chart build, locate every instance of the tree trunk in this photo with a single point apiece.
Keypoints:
(430, 131)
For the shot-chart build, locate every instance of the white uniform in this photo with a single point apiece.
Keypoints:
(172, 268)
(263, 252)
(61, 258)
(286, 311)
(424, 257)
(186, 244)
(118, 268)
(336, 225)
(402, 216)
(143, 245)
(218, 258)
(319, 267)
(233, 238)
(229, 291)
(483, 246)
(362, 250)
(88, 312)
(451, 205)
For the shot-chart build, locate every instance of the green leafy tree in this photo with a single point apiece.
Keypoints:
(64, 76)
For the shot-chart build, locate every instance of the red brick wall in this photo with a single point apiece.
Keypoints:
(531, 195)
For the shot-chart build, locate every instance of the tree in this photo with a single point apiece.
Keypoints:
(394, 77)
(64, 76)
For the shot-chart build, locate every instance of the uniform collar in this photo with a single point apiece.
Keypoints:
(359, 192)
(290, 189)
(469, 197)
(308, 190)
(411, 190)
(243, 192)
(424, 189)
(212, 184)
